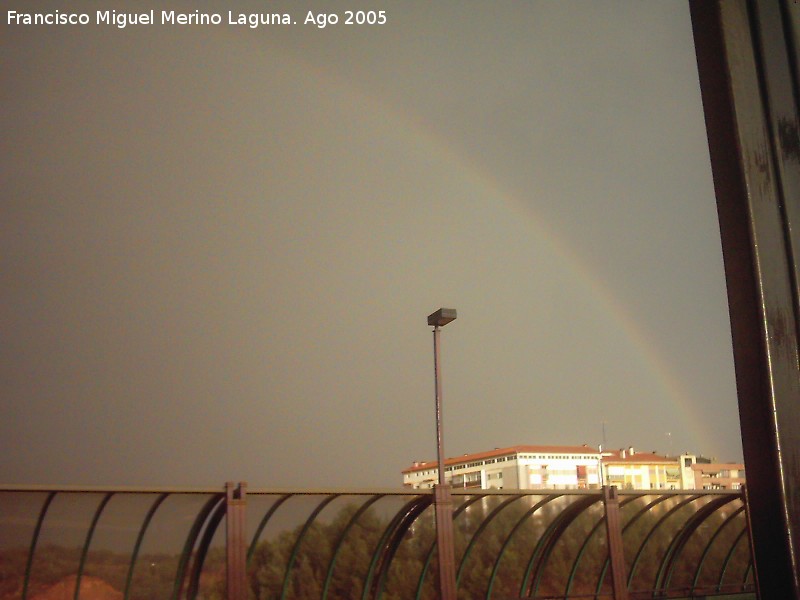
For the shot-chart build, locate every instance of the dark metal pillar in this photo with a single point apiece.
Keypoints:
(616, 552)
(235, 520)
(748, 65)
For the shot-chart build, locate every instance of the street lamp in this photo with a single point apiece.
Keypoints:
(443, 501)
(437, 320)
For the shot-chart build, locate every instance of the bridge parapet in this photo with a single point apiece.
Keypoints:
(234, 542)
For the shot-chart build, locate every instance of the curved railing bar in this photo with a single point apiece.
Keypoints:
(748, 571)
(554, 531)
(667, 515)
(202, 550)
(387, 544)
(424, 571)
(486, 522)
(191, 538)
(574, 570)
(642, 511)
(391, 550)
(34, 541)
(467, 503)
(675, 548)
(287, 574)
(263, 523)
(340, 540)
(89, 534)
(507, 541)
(728, 520)
(429, 554)
(139, 539)
(729, 556)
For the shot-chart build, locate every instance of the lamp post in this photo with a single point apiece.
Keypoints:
(443, 501)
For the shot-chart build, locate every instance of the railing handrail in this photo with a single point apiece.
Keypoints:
(389, 491)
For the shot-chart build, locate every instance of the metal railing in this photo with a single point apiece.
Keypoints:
(237, 543)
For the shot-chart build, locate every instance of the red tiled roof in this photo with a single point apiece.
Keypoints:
(422, 466)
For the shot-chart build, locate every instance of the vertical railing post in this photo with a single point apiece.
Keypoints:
(443, 503)
(235, 521)
(616, 553)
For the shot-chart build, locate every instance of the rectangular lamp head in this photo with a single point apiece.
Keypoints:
(442, 317)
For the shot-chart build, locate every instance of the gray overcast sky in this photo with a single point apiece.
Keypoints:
(219, 244)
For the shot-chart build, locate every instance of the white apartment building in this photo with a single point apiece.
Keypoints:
(576, 467)
(517, 467)
(629, 469)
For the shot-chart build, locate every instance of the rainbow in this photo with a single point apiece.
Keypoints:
(413, 133)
